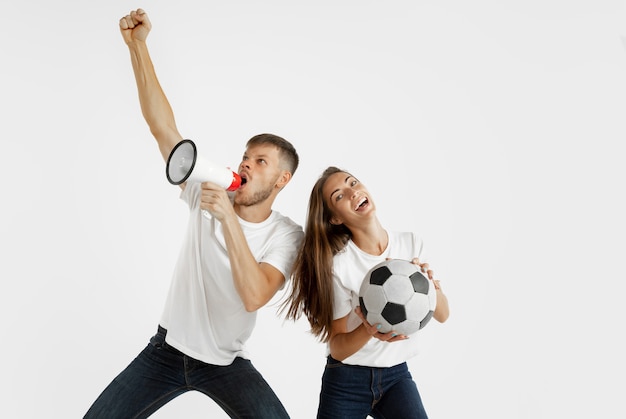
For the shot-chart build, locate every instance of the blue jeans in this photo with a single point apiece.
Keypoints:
(352, 391)
(160, 373)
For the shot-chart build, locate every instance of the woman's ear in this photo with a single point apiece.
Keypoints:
(334, 220)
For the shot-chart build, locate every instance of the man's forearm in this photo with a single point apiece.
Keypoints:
(155, 107)
(252, 284)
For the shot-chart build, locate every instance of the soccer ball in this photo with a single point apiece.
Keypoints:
(397, 295)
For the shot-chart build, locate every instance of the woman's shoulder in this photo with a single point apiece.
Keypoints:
(404, 236)
(406, 242)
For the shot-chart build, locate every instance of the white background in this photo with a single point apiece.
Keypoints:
(492, 128)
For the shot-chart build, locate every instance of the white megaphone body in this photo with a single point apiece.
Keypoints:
(185, 165)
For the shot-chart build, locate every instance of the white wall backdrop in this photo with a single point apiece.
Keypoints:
(492, 128)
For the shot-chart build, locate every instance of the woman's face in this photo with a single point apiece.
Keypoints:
(347, 199)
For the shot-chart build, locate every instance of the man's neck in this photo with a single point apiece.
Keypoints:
(254, 213)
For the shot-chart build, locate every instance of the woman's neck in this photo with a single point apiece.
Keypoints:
(372, 239)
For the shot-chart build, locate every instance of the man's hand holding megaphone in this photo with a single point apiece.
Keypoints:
(216, 201)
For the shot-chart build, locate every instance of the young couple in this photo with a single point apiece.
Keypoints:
(235, 260)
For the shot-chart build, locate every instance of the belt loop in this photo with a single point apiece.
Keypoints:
(162, 331)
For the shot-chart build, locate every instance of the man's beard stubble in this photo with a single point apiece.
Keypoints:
(256, 198)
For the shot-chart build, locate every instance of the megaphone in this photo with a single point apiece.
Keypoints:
(185, 165)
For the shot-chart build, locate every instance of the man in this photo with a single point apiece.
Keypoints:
(237, 255)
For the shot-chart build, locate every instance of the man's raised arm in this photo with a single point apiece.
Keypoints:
(155, 107)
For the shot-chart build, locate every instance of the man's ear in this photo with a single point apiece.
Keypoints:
(283, 179)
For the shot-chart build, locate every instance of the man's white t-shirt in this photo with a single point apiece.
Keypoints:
(204, 315)
(349, 268)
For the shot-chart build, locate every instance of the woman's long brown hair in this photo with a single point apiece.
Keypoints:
(312, 277)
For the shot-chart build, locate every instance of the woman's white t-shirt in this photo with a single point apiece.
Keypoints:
(349, 268)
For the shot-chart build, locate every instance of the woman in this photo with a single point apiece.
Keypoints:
(366, 371)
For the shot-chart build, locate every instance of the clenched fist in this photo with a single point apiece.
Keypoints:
(135, 26)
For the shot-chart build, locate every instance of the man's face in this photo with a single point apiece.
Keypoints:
(260, 167)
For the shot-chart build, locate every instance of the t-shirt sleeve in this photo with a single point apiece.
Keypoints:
(342, 299)
(190, 194)
(282, 253)
(418, 246)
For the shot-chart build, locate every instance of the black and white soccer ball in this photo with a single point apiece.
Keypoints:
(397, 295)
